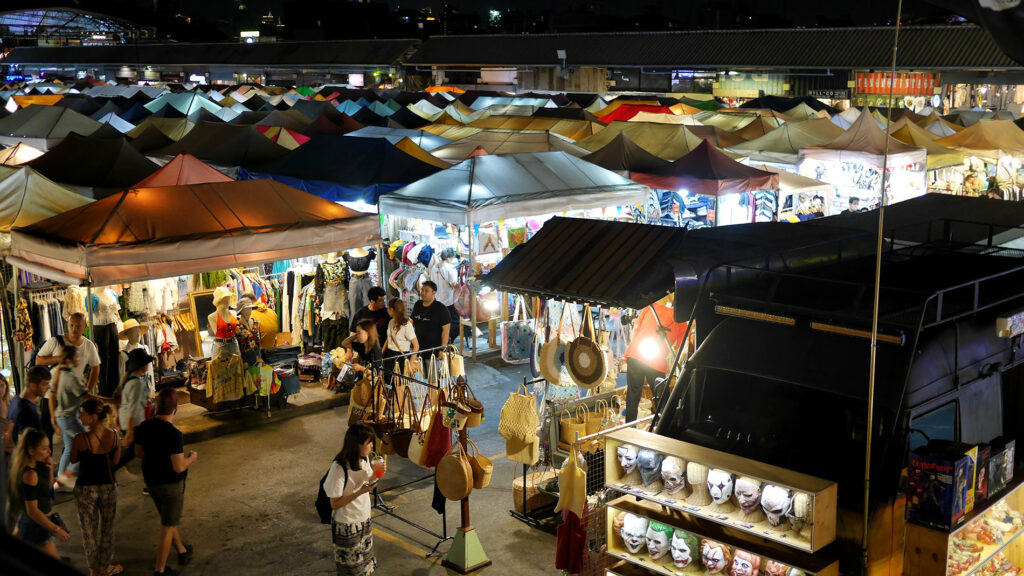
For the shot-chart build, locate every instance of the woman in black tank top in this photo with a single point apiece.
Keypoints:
(97, 451)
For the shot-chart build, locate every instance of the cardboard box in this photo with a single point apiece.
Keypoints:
(1000, 464)
(937, 490)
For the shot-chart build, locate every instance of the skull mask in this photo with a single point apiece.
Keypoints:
(684, 549)
(627, 458)
(634, 532)
(720, 485)
(658, 536)
(672, 474)
(776, 503)
(650, 465)
(748, 494)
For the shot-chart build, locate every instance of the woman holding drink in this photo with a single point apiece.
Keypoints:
(349, 482)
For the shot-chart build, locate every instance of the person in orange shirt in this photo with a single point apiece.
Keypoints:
(647, 357)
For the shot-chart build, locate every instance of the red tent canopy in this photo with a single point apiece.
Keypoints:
(707, 170)
(183, 169)
(627, 111)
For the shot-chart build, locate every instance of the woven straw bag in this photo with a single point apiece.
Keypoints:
(571, 426)
(454, 474)
(481, 466)
(519, 416)
(584, 358)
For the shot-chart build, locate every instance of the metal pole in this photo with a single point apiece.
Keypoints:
(17, 360)
(874, 310)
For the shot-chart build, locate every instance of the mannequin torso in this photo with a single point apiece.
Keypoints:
(223, 323)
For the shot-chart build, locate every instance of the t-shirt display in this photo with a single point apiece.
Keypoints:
(429, 321)
(159, 440)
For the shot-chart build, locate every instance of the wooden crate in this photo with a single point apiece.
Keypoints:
(816, 534)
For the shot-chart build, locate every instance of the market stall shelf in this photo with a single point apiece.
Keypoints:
(988, 538)
(773, 503)
(666, 541)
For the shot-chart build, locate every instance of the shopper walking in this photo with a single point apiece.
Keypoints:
(401, 339)
(24, 411)
(67, 397)
(134, 393)
(431, 320)
(50, 355)
(348, 485)
(165, 466)
(30, 477)
(97, 451)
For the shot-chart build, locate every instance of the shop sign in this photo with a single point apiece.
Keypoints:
(906, 83)
(830, 94)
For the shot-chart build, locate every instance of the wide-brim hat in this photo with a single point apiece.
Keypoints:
(243, 303)
(586, 362)
(221, 293)
(137, 358)
(128, 325)
(552, 358)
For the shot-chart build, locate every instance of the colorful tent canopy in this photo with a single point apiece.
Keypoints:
(18, 154)
(426, 140)
(225, 144)
(663, 140)
(183, 169)
(938, 125)
(624, 112)
(988, 140)
(939, 156)
(488, 188)
(26, 197)
(624, 155)
(43, 126)
(708, 171)
(782, 145)
(573, 129)
(174, 128)
(141, 233)
(94, 162)
(507, 142)
(864, 135)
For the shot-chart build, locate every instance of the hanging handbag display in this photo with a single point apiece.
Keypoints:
(517, 336)
(572, 486)
(456, 363)
(571, 427)
(552, 358)
(454, 474)
(439, 439)
(519, 416)
(481, 466)
(476, 407)
(418, 443)
(584, 359)
(400, 435)
(536, 343)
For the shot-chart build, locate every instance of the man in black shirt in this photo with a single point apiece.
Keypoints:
(376, 310)
(430, 319)
(161, 447)
(23, 412)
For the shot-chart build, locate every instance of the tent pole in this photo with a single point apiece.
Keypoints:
(16, 357)
(472, 290)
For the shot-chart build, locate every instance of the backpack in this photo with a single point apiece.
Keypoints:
(35, 352)
(323, 502)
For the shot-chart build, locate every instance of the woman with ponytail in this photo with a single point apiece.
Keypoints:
(97, 451)
(30, 478)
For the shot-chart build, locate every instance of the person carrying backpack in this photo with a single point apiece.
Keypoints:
(348, 485)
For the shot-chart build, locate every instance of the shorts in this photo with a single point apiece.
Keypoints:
(31, 533)
(169, 500)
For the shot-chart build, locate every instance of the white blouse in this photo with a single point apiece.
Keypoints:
(400, 337)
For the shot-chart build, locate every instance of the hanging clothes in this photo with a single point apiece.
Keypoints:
(224, 378)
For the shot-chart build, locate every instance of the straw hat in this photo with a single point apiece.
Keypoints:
(221, 293)
(128, 325)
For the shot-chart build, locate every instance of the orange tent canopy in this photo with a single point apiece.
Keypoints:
(183, 169)
(436, 89)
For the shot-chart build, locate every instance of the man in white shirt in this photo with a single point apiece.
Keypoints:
(88, 354)
(444, 274)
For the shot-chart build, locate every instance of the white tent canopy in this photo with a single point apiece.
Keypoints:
(490, 187)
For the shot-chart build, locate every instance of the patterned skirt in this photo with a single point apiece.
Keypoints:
(353, 549)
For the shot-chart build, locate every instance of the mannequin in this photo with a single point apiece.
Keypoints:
(748, 495)
(634, 532)
(696, 477)
(745, 564)
(249, 332)
(777, 502)
(627, 454)
(105, 319)
(359, 261)
(649, 463)
(720, 485)
(223, 323)
(673, 475)
(329, 283)
(659, 538)
(685, 552)
(715, 556)
(800, 520)
(131, 338)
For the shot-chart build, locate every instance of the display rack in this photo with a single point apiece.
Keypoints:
(701, 528)
(930, 551)
(817, 531)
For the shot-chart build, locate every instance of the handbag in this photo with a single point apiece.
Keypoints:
(439, 439)
(418, 442)
(535, 344)
(401, 433)
(480, 465)
(454, 475)
(572, 486)
(584, 359)
(362, 391)
(519, 416)
(456, 363)
(517, 336)
(571, 427)
(476, 407)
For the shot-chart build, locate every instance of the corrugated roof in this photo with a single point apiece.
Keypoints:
(325, 53)
(927, 47)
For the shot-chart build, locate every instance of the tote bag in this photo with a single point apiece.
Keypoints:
(517, 336)
(439, 439)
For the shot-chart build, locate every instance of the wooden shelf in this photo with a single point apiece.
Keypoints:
(736, 539)
(928, 550)
(822, 492)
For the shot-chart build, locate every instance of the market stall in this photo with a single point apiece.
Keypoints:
(944, 166)
(853, 164)
(496, 201)
(993, 149)
(781, 147)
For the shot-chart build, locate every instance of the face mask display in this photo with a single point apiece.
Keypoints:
(715, 557)
(627, 458)
(684, 549)
(719, 485)
(649, 462)
(658, 536)
(672, 474)
(748, 494)
(634, 532)
(776, 503)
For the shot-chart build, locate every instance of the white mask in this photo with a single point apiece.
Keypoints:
(634, 532)
(657, 543)
(672, 474)
(627, 458)
(748, 495)
(720, 485)
(776, 503)
(681, 553)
